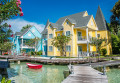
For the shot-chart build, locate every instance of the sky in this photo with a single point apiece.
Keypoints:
(36, 12)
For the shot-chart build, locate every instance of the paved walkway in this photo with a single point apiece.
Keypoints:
(85, 74)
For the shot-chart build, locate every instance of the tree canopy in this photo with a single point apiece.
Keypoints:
(25, 27)
(115, 17)
(60, 42)
(99, 43)
(8, 9)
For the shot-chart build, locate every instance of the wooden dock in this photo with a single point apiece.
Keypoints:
(85, 74)
(101, 64)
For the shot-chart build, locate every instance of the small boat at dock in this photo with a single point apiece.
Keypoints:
(34, 66)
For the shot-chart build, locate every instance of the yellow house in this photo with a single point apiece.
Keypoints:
(82, 27)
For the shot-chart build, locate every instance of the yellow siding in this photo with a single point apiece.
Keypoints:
(69, 27)
(93, 24)
(83, 32)
(75, 43)
(50, 31)
(106, 34)
(58, 52)
(86, 14)
(84, 47)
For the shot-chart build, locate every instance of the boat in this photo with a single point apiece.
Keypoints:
(34, 66)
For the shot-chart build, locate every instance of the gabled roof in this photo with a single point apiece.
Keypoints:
(21, 33)
(100, 20)
(45, 30)
(72, 17)
(78, 19)
(24, 31)
(18, 33)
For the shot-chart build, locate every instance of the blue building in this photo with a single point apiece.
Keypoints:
(20, 38)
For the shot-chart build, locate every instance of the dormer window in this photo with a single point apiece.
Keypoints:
(33, 30)
(50, 26)
(67, 22)
(29, 35)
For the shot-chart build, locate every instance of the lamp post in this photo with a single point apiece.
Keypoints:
(71, 67)
(69, 59)
(104, 70)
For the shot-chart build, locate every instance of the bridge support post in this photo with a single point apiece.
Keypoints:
(18, 62)
(104, 70)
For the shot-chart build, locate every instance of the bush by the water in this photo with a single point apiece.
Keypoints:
(37, 53)
(104, 51)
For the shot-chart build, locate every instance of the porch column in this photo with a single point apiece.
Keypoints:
(96, 33)
(22, 44)
(87, 41)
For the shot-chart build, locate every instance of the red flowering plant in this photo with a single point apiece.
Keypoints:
(8, 9)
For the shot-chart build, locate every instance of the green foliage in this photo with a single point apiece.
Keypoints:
(115, 18)
(23, 51)
(115, 44)
(60, 42)
(8, 9)
(116, 9)
(104, 51)
(25, 27)
(33, 42)
(99, 43)
(39, 53)
(6, 46)
(32, 53)
(4, 80)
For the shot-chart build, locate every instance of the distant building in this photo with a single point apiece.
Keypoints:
(44, 39)
(20, 38)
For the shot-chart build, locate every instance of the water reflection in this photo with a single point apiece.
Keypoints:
(113, 73)
(48, 74)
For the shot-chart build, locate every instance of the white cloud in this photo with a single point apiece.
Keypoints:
(17, 24)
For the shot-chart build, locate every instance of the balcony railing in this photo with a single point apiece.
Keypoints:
(82, 53)
(82, 38)
(25, 46)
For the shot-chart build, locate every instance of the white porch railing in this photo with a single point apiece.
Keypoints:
(25, 46)
(82, 38)
(82, 53)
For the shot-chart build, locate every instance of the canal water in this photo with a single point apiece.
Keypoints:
(113, 73)
(20, 73)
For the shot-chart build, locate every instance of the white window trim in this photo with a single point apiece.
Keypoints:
(49, 49)
(57, 49)
(70, 48)
(49, 36)
(66, 31)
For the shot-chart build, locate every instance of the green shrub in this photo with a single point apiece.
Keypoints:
(104, 51)
(32, 53)
(39, 53)
(4, 80)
